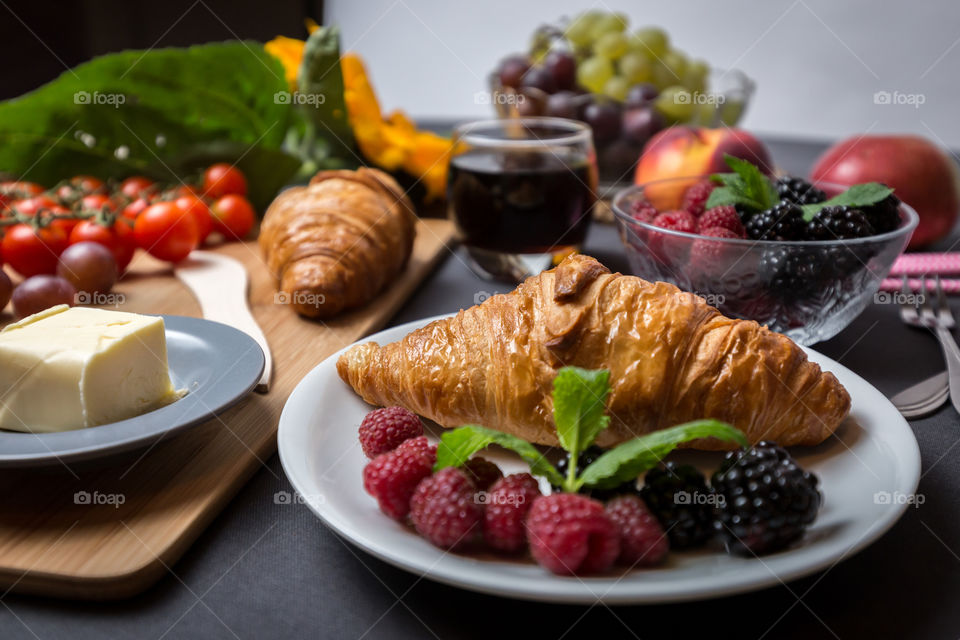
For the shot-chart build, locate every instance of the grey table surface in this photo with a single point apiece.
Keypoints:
(267, 570)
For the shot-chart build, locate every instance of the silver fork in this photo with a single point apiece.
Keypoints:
(939, 320)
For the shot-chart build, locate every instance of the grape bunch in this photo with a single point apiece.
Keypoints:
(626, 85)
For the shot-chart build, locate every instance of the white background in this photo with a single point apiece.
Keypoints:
(817, 63)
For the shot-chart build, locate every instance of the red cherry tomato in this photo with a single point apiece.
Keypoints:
(134, 209)
(96, 202)
(166, 231)
(79, 186)
(233, 216)
(200, 212)
(119, 239)
(134, 186)
(222, 179)
(30, 206)
(33, 251)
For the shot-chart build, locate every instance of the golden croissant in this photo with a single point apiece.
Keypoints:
(672, 358)
(337, 242)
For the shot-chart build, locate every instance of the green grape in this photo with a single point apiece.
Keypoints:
(675, 104)
(578, 31)
(617, 87)
(594, 72)
(608, 23)
(653, 40)
(636, 67)
(663, 76)
(695, 78)
(704, 114)
(611, 45)
(677, 62)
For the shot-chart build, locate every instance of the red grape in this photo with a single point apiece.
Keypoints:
(6, 289)
(604, 118)
(512, 69)
(563, 104)
(89, 267)
(562, 67)
(37, 293)
(640, 95)
(639, 125)
(539, 78)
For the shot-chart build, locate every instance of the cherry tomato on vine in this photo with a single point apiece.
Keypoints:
(134, 209)
(134, 186)
(118, 238)
(30, 206)
(97, 201)
(233, 216)
(166, 231)
(79, 186)
(33, 251)
(221, 179)
(197, 208)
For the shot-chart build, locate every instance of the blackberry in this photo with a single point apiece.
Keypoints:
(798, 191)
(678, 495)
(782, 222)
(884, 216)
(584, 460)
(839, 223)
(765, 499)
(793, 274)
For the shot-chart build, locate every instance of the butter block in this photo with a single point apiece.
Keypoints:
(68, 368)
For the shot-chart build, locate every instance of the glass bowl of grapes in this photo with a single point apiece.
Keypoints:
(803, 259)
(627, 85)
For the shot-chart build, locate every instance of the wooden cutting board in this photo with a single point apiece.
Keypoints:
(51, 546)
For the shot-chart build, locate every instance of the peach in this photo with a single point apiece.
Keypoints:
(692, 153)
(920, 174)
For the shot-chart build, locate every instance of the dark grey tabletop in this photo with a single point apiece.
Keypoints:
(266, 570)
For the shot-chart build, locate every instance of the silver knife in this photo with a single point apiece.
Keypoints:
(927, 395)
(220, 284)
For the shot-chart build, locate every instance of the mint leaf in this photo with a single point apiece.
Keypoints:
(458, 445)
(859, 195)
(729, 196)
(756, 185)
(579, 397)
(628, 460)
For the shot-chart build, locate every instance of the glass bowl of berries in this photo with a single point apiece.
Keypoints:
(804, 259)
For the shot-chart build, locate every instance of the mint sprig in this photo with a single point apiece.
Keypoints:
(746, 186)
(579, 399)
(859, 195)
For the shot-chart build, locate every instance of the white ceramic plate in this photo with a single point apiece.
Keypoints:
(868, 471)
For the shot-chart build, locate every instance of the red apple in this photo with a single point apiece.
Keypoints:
(918, 171)
(690, 152)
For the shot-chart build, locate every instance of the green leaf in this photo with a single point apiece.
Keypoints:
(628, 460)
(458, 445)
(154, 112)
(859, 195)
(730, 196)
(579, 402)
(756, 185)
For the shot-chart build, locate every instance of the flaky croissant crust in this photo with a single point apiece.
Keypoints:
(672, 358)
(335, 243)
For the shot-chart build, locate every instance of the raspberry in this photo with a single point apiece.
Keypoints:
(445, 510)
(642, 540)
(643, 211)
(676, 221)
(571, 534)
(695, 197)
(708, 256)
(392, 477)
(508, 502)
(725, 217)
(483, 472)
(383, 429)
